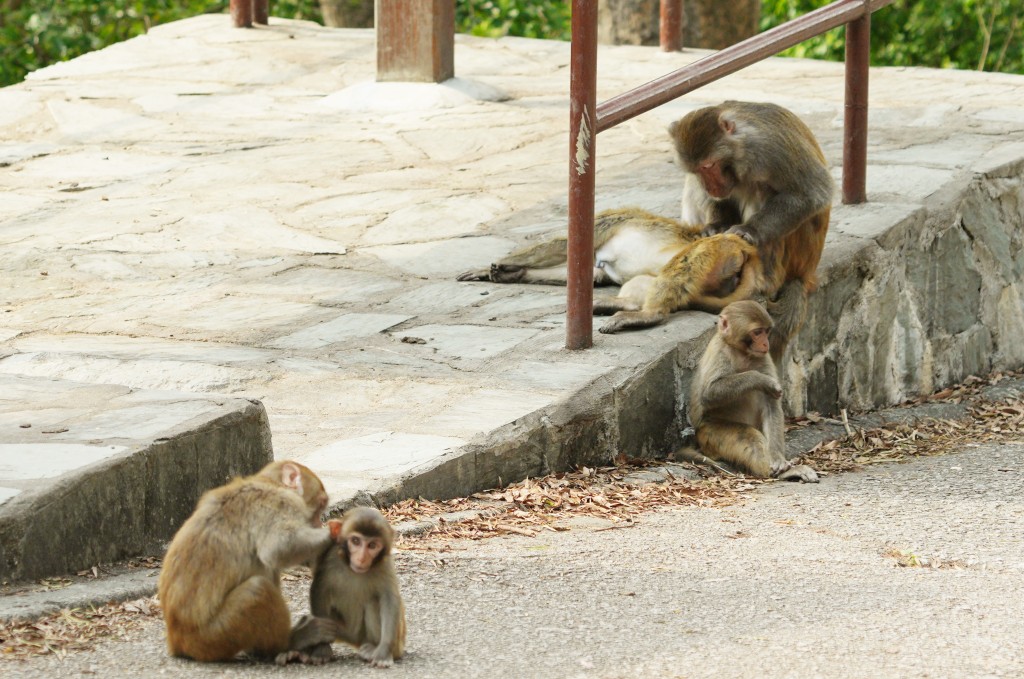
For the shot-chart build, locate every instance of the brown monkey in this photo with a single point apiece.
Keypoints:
(673, 268)
(736, 398)
(219, 587)
(354, 583)
(756, 170)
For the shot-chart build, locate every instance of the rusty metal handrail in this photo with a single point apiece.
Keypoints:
(586, 120)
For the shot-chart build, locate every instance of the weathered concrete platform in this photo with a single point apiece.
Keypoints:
(242, 214)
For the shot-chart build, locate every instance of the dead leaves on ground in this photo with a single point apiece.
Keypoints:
(73, 629)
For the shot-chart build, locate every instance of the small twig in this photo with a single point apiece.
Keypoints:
(846, 422)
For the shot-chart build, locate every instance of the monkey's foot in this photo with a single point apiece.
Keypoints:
(507, 273)
(631, 319)
(478, 275)
(315, 656)
(800, 472)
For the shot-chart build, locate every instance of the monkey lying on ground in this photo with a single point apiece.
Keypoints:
(736, 399)
(676, 268)
(219, 587)
(756, 170)
(354, 583)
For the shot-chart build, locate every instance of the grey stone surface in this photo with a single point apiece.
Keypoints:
(201, 210)
(91, 473)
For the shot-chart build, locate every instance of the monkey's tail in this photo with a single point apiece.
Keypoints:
(690, 453)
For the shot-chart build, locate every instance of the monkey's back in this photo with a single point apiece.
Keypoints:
(209, 556)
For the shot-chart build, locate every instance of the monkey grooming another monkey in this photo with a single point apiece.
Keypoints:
(219, 586)
(354, 583)
(736, 399)
(756, 170)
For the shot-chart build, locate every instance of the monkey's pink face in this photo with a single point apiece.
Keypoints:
(363, 551)
(759, 341)
(714, 180)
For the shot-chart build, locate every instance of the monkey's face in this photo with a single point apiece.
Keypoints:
(363, 551)
(717, 178)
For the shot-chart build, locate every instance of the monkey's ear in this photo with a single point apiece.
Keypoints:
(291, 476)
(727, 124)
(723, 324)
(334, 525)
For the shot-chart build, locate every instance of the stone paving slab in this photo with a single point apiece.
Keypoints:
(243, 214)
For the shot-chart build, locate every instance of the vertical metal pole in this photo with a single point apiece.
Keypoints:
(260, 11)
(582, 135)
(671, 25)
(241, 13)
(855, 125)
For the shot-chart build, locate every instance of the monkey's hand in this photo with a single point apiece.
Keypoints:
(377, 656)
(744, 233)
(773, 388)
(713, 229)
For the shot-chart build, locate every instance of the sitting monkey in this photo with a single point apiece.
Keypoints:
(736, 398)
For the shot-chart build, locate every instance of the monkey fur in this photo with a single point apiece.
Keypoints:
(363, 597)
(736, 399)
(756, 170)
(219, 586)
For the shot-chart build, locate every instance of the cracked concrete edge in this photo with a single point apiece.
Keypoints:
(128, 584)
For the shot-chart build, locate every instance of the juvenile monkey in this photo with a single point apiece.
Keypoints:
(354, 583)
(756, 170)
(674, 268)
(736, 398)
(219, 587)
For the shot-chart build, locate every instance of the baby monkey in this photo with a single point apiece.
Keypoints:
(736, 398)
(354, 583)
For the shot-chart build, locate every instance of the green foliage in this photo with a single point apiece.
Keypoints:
(986, 34)
(527, 18)
(970, 34)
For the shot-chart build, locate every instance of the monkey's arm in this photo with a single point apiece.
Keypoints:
(724, 390)
(293, 545)
(782, 213)
(390, 610)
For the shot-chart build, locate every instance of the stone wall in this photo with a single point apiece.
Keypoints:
(918, 306)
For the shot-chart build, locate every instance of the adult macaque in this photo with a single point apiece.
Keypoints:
(219, 587)
(673, 267)
(736, 398)
(756, 170)
(354, 583)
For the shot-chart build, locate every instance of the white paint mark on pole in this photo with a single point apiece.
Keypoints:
(583, 144)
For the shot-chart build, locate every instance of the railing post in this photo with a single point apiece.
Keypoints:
(582, 138)
(671, 25)
(260, 11)
(855, 124)
(241, 13)
(415, 40)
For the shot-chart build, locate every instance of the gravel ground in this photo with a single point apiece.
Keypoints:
(902, 570)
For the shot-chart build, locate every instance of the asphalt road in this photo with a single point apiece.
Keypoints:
(798, 581)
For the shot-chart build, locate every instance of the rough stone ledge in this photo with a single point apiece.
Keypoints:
(111, 472)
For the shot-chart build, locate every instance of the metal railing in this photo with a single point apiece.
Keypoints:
(587, 118)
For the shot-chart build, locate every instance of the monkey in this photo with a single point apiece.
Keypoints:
(756, 170)
(627, 242)
(219, 586)
(354, 583)
(736, 399)
(674, 268)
